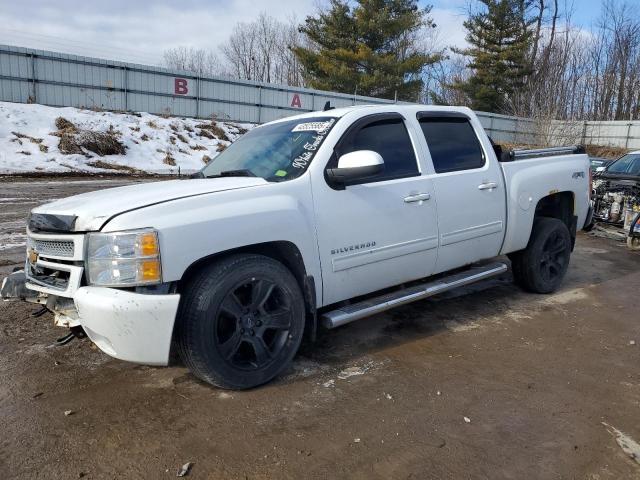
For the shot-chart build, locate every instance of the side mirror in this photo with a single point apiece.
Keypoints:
(355, 166)
(601, 169)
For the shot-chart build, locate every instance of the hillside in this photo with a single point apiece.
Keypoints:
(37, 138)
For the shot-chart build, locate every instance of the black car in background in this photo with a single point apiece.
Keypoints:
(616, 192)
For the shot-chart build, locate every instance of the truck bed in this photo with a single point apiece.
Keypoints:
(524, 154)
(527, 180)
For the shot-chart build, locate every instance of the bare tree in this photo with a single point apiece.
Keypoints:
(439, 79)
(577, 75)
(261, 50)
(196, 60)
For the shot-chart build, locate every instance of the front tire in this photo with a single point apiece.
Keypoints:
(241, 321)
(541, 267)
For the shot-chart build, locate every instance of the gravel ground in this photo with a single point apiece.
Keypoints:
(487, 382)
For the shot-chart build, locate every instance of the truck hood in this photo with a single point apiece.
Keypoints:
(90, 211)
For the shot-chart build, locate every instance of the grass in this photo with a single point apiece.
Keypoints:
(169, 160)
(113, 166)
(212, 130)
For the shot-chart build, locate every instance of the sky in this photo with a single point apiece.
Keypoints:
(139, 31)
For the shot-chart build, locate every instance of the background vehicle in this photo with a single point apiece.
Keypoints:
(599, 164)
(324, 217)
(616, 196)
(617, 191)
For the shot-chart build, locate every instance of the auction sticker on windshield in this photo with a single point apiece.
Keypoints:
(319, 127)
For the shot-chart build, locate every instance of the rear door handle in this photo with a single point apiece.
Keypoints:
(418, 197)
(487, 186)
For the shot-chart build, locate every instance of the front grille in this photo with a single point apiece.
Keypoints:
(58, 248)
(54, 263)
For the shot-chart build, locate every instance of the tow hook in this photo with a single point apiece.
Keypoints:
(75, 332)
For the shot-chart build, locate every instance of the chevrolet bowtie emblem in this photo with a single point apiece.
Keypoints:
(33, 256)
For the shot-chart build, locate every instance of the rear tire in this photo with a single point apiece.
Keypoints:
(541, 267)
(241, 321)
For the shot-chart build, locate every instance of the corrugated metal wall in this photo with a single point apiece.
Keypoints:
(59, 80)
(62, 80)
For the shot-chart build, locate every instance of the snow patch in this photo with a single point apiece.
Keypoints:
(12, 240)
(566, 297)
(153, 144)
(625, 442)
(354, 371)
(455, 326)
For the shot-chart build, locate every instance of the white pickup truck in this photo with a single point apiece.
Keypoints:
(325, 217)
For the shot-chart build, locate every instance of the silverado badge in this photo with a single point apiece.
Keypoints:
(351, 248)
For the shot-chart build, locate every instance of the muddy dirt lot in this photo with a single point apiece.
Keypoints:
(489, 382)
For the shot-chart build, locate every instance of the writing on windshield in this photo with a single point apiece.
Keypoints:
(276, 152)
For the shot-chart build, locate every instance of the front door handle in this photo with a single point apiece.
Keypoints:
(418, 197)
(487, 186)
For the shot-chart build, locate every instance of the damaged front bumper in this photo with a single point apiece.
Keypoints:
(126, 325)
(130, 326)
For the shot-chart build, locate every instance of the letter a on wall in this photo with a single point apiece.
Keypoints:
(295, 101)
(181, 86)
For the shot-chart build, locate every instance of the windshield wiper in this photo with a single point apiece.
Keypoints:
(237, 173)
(234, 173)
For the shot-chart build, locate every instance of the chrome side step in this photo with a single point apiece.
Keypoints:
(365, 308)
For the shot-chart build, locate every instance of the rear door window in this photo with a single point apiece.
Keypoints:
(453, 143)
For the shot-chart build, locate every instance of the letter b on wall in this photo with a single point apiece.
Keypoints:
(181, 86)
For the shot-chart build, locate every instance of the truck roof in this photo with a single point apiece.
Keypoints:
(408, 109)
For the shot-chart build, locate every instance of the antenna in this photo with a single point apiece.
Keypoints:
(327, 106)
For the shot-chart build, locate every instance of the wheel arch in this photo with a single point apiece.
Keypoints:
(283, 251)
(560, 205)
(523, 210)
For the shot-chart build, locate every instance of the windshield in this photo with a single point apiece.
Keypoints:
(627, 165)
(277, 152)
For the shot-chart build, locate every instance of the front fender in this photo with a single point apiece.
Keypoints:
(197, 227)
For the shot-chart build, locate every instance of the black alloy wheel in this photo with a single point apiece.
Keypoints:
(253, 323)
(554, 258)
(541, 267)
(241, 321)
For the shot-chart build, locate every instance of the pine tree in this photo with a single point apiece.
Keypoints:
(370, 49)
(500, 39)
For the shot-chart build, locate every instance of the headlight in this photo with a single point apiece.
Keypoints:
(123, 259)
